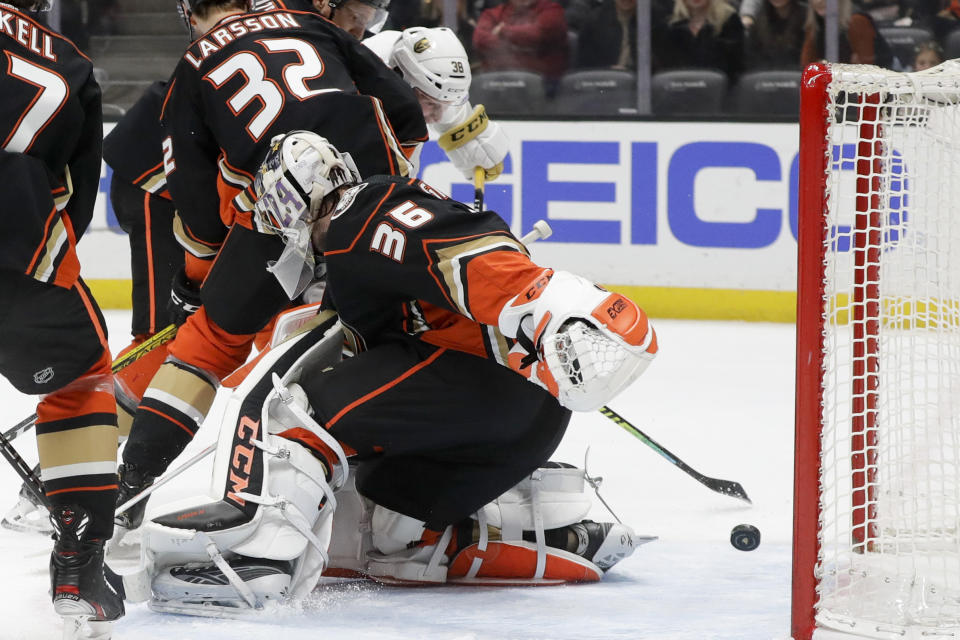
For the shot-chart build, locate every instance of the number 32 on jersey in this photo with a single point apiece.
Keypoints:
(392, 241)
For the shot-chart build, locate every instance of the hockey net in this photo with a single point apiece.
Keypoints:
(877, 476)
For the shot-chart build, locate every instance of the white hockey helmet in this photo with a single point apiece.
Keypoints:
(300, 169)
(435, 62)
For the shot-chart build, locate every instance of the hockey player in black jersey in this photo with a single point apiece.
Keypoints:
(468, 358)
(245, 78)
(53, 339)
(443, 308)
(145, 211)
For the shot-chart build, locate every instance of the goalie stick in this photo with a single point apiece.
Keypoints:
(726, 487)
(164, 335)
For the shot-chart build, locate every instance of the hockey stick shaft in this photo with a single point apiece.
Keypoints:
(160, 337)
(167, 478)
(726, 487)
(9, 452)
(30, 479)
(479, 177)
(163, 336)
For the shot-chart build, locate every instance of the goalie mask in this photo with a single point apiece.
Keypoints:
(435, 62)
(300, 169)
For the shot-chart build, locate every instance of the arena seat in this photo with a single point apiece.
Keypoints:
(770, 92)
(596, 92)
(903, 41)
(688, 92)
(509, 93)
(951, 45)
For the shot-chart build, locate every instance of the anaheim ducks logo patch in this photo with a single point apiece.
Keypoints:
(346, 200)
(421, 45)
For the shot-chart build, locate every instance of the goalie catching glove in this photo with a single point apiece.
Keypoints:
(578, 341)
(474, 141)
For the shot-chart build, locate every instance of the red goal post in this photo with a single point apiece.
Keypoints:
(877, 450)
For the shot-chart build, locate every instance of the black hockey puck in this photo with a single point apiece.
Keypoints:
(745, 537)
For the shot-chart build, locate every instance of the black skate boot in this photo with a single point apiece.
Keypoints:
(86, 593)
(132, 481)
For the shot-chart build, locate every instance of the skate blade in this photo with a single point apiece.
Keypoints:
(26, 517)
(235, 610)
(24, 525)
(83, 628)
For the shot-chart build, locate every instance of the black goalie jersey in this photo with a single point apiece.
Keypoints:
(254, 76)
(402, 257)
(49, 109)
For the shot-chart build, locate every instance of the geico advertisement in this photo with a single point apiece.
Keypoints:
(646, 204)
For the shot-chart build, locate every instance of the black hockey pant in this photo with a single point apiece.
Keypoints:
(155, 254)
(439, 433)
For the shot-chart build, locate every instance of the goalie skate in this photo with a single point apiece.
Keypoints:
(205, 590)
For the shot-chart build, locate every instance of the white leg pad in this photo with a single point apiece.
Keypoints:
(548, 498)
(269, 496)
(351, 540)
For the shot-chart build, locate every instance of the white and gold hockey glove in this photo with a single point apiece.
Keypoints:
(578, 341)
(472, 140)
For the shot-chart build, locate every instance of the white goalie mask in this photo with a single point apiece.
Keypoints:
(434, 61)
(300, 169)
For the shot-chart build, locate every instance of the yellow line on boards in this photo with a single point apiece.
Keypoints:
(713, 304)
(110, 293)
(658, 302)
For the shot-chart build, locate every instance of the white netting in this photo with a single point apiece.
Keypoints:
(889, 562)
(585, 355)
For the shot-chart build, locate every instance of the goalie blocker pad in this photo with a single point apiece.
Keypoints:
(271, 494)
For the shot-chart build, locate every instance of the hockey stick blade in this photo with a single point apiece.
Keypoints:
(161, 337)
(726, 487)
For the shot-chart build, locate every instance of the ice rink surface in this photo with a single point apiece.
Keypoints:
(719, 396)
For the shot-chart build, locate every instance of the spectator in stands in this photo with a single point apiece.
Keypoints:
(414, 13)
(608, 36)
(927, 54)
(700, 34)
(882, 11)
(530, 35)
(775, 36)
(946, 20)
(858, 35)
(468, 12)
